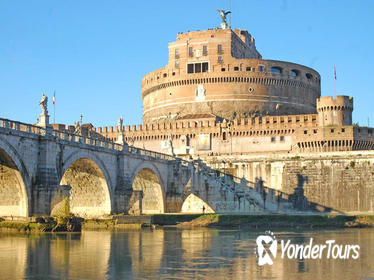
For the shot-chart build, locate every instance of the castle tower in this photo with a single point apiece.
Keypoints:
(219, 72)
(336, 111)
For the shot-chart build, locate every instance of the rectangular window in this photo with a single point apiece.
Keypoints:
(176, 64)
(190, 68)
(261, 68)
(197, 67)
(205, 67)
(190, 51)
(220, 59)
(205, 50)
(248, 69)
(219, 49)
(236, 68)
(176, 53)
(273, 139)
(282, 138)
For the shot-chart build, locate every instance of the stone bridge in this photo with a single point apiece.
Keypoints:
(41, 168)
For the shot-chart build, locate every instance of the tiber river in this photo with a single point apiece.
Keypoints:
(176, 254)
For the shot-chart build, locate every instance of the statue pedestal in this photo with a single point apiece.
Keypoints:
(121, 139)
(223, 25)
(43, 120)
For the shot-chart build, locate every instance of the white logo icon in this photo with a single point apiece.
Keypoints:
(266, 248)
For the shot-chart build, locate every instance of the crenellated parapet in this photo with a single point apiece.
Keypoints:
(335, 111)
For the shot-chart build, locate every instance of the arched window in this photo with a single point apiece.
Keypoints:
(295, 73)
(276, 70)
(309, 76)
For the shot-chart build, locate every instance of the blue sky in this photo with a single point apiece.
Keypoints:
(94, 53)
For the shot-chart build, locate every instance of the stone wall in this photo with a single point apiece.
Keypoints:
(342, 182)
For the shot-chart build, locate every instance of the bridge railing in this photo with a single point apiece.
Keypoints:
(149, 153)
(19, 126)
(77, 138)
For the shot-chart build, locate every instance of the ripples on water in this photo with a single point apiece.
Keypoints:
(174, 254)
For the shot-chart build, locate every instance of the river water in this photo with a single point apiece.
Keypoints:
(176, 254)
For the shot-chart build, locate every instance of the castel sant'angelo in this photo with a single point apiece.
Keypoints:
(217, 96)
(219, 101)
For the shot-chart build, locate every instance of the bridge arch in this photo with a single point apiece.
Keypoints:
(14, 183)
(194, 204)
(147, 179)
(91, 187)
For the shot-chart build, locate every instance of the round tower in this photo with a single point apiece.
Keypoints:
(335, 111)
(219, 72)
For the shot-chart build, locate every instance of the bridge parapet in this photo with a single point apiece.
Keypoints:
(24, 127)
(77, 138)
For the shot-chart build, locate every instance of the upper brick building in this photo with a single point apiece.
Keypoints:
(221, 73)
(217, 96)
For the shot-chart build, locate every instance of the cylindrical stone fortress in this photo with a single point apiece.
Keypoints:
(219, 72)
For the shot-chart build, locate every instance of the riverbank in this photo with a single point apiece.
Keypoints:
(281, 221)
(297, 221)
(42, 224)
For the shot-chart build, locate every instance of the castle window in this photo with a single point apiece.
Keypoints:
(343, 130)
(197, 67)
(165, 75)
(332, 130)
(309, 76)
(236, 68)
(282, 138)
(305, 131)
(273, 139)
(224, 137)
(369, 131)
(248, 69)
(219, 49)
(276, 70)
(315, 131)
(261, 68)
(173, 73)
(176, 53)
(190, 51)
(205, 67)
(223, 69)
(176, 64)
(205, 50)
(220, 59)
(190, 68)
(295, 73)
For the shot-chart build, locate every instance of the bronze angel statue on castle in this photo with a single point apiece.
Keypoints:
(223, 16)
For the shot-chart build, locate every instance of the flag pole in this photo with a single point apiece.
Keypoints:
(334, 81)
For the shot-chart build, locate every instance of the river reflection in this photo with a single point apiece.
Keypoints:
(174, 254)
